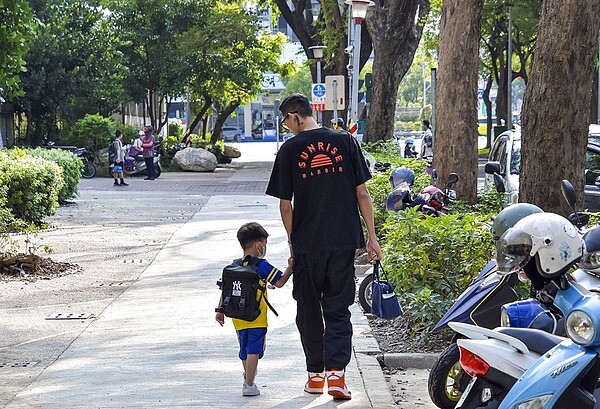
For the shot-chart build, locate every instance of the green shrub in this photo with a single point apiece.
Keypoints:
(176, 129)
(70, 165)
(32, 185)
(434, 255)
(130, 133)
(93, 132)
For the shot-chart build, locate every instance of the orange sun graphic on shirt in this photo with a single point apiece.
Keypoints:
(320, 160)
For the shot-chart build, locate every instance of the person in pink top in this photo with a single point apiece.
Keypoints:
(148, 151)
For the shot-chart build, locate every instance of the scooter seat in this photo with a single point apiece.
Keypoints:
(536, 340)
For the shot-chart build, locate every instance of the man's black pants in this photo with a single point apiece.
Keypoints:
(324, 289)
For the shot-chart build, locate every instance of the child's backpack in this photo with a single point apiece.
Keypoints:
(240, 285)
(112, 153)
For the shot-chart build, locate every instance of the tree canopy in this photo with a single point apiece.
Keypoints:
(17, 28)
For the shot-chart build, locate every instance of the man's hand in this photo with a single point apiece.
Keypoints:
(373, 250)
(220, 318)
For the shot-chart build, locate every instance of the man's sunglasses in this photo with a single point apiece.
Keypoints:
(283, 125)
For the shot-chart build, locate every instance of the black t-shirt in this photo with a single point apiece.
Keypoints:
(319, 170)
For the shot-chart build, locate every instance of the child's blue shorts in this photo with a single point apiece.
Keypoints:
(252, 341)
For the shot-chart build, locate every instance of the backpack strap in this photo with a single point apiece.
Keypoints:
(255, 261)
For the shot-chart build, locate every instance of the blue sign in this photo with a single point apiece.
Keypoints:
(318, 90)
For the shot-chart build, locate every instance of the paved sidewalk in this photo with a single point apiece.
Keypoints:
(157, 345)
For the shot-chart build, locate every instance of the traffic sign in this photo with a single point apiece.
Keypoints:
(318, 91)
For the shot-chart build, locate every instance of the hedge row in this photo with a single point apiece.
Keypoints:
(34, 182)
(430, 259)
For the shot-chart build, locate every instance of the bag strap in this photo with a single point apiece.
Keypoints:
(376, 275)
(255, 261)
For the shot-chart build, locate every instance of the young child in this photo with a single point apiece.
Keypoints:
(409, 149)
(251, 334)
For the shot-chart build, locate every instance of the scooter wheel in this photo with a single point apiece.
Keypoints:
(157, 171)
(365, 295)
(447, 380)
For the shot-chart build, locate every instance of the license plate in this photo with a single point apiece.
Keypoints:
(466, 393)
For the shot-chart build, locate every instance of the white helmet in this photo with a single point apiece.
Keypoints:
(550, 238)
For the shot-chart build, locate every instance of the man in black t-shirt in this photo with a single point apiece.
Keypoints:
(324, 173)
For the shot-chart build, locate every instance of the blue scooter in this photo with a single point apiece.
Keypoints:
(567, 375)
(480, 304)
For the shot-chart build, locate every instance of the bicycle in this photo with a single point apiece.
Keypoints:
(89, 169)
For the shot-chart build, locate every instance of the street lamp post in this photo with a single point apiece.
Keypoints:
(359, 12)
(318, 54)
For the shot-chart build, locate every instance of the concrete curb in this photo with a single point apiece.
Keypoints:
(366, 350)
(408, 360)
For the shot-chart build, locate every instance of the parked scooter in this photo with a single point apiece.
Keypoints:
(496, 359)
(492, 356)
(566, 376)
(430, 201)
(479, 304)
(135, 165)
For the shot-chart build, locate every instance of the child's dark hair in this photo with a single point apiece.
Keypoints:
(296, 103)
(250, 233)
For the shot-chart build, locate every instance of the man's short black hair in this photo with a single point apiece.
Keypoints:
(296, 103)
(250, 233)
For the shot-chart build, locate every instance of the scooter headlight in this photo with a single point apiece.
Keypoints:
(580, 327)
(535, 403)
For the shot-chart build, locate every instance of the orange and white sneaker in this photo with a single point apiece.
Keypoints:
(316, 383)
(336, 385)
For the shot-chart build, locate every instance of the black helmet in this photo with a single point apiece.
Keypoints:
(591, 251)
(402, 174)
(150, 128)
(508, 217)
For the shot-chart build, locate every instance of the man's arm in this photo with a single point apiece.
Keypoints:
(366, 210)
(286, 211)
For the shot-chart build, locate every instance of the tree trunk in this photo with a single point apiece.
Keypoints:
(331, 19)
(396, 29)
(556, 109)
(222, 115)
(207, 104)
(455, 143)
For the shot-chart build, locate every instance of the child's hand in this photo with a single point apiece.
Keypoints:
(220, 318)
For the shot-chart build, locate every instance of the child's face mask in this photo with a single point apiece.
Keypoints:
(263, 252)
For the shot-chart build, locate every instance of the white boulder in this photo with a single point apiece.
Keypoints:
(195, 160)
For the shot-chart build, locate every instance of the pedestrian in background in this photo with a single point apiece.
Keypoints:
(427, 146)
(338, 123)
(148, 151)
(136, 148)
(252, 334)
(324, 173)
(119, 159)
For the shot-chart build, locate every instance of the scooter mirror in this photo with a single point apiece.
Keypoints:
(499, 183)
(568, 192)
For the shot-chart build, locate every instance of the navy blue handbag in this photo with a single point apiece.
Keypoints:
(384, 302)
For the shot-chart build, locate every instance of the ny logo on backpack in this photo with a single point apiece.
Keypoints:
(243, 290)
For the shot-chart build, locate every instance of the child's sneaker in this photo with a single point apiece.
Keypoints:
(316, 383)
(250, 390)
(336, 384)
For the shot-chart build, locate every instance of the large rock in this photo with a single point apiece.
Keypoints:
(195, 160)
(232, 152)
